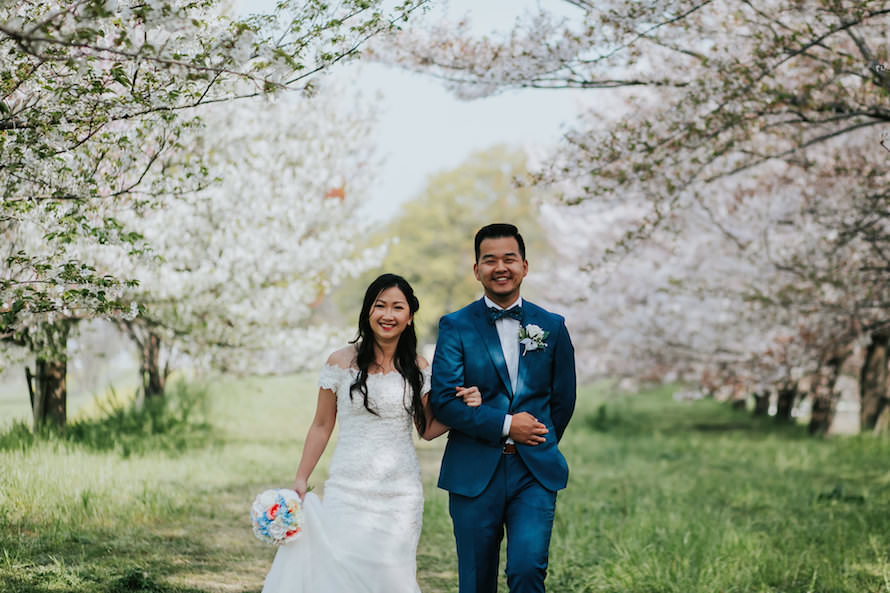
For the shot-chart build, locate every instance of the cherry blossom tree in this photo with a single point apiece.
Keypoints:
(242, 262)
(231, 272)
(725, 86)
(44, 334)
(98, 104)
(734, 112)
(753, 293)
(95, 94)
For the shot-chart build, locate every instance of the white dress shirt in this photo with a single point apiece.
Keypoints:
(508, 332)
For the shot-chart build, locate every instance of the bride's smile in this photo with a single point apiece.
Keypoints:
(390, 314)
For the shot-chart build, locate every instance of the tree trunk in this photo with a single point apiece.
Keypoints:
(822, 413)
(47, 386)
(882, 425)
(50, 392)
(30, 379)
(761, 403)
(873, 381)
(785, 402)
(824, 395)
(154, 378)
(152, 375)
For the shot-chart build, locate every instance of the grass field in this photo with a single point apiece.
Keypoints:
(664, 497)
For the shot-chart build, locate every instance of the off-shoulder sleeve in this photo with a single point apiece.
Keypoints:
(331, 377)
(427, 375)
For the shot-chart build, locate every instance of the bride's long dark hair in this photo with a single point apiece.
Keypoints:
(405, 359)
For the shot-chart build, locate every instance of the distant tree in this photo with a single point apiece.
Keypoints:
(430, 241)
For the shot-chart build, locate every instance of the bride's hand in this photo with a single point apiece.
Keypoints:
(471, 396)
(300, 487)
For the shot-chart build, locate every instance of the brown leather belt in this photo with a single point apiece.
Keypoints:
(509, 449)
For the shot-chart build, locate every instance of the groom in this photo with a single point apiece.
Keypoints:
(501, 466)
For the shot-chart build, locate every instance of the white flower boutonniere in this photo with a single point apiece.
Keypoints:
(532, 337)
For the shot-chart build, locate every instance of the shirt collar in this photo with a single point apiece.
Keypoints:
(491, 303)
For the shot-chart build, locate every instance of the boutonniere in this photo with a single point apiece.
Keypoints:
(532, 337)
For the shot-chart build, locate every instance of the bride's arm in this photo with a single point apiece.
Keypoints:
(316, 439)
(471, 396)
(434, 428)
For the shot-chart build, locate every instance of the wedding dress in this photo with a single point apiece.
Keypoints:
(362, 537)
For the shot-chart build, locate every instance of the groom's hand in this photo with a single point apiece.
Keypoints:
(526, 430)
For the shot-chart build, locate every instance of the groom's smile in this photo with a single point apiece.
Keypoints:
(500, 269)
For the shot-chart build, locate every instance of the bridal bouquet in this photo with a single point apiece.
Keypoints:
(277, 516)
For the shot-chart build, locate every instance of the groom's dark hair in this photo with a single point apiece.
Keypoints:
(497, 230)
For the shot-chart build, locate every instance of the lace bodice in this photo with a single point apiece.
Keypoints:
(388, 393)
(374, 463)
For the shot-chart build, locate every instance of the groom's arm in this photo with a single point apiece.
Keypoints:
(563, 389)
(482, 422)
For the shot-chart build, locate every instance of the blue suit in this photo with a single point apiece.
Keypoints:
(490, 490)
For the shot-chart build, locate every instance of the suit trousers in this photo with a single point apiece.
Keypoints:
(513, 501)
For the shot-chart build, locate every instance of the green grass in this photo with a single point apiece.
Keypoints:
(175, 423)
(694, 497)
(664, 497)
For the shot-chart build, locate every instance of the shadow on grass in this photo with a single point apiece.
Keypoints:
(199, 551)
(134, 580)
(138, 580)
(172, 424)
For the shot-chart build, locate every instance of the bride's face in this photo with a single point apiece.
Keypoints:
(390, 314)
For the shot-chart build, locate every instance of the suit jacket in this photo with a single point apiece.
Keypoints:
(468, 352)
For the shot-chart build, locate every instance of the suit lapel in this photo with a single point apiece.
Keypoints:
(492, 343)
(529, 316)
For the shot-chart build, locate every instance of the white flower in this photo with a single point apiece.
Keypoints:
(532, 337)
(534, 332)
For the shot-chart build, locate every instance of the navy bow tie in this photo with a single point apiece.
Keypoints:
(514, 312)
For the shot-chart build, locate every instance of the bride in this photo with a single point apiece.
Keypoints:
(363, 537)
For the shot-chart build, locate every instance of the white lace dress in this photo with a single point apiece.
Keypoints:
(362, 538)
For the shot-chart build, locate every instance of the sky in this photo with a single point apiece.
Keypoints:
(423, 129)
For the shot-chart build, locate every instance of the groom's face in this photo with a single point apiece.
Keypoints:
(500, 269)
